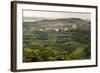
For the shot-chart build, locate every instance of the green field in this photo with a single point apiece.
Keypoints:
(56, 46)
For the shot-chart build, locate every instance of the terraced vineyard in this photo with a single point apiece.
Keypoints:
(52, 46)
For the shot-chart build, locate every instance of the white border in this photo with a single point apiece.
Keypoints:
(21, 65)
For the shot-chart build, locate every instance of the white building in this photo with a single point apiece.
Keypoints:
(41, 29)
(56, 29)
(66, 29)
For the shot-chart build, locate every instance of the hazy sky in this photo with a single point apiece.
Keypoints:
(55, 15)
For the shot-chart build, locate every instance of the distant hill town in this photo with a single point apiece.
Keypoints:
(57, 25)
(64, 28)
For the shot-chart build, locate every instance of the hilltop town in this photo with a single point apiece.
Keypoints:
(63, 28)
(57, 25)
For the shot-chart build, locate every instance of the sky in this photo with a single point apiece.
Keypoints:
(38, 15)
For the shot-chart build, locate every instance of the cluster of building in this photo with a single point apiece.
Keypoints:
(57, 29)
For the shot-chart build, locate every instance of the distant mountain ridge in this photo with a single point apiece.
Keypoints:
(57, 23)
